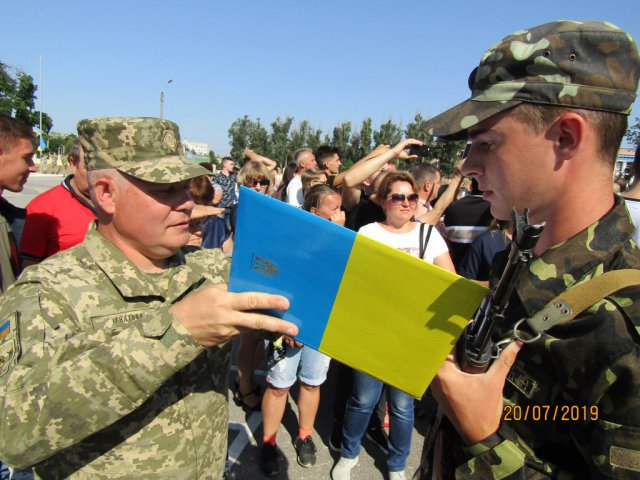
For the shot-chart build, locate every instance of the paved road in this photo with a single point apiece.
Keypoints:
(245, 429)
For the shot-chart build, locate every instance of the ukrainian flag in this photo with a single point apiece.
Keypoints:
(368, 305)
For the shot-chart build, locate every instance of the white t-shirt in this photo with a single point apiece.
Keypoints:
(633, 206)
(295, 195)
(408, 242)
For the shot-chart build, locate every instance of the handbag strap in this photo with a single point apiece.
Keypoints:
(571, 303)
(423, 242)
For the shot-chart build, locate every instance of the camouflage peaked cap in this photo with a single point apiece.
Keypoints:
(590, 65)
(145, 148)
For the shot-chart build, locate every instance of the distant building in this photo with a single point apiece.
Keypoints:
(200, 149)
(623, 162)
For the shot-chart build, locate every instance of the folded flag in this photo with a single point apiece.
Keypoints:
(372, 307)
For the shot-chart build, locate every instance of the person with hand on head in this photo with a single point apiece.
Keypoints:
(547, 112)
(116, 356)
(292, 361)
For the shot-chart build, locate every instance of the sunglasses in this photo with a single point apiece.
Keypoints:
(254, 182)
(401, 197)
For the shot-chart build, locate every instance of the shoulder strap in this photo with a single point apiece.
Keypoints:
(423, 242)
(569, 304)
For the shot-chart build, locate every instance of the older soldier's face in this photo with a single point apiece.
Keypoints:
(514, 167)
(153, 218)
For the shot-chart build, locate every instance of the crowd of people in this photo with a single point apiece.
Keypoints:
(115, 341)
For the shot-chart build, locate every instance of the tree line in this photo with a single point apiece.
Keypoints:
(277, 140)
(281, 138)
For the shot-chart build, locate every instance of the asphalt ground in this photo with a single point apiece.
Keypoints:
(245, 439)
(245, 428)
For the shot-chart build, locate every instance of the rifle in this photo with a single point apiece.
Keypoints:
(477, 346)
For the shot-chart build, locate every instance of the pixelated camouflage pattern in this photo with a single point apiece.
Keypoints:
(146, 148)
(107, 383)
(591, 65)
(592, 360)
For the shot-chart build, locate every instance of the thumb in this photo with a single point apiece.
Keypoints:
(505, 361)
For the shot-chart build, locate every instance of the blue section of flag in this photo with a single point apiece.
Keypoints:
(43, 144)
(314, 249)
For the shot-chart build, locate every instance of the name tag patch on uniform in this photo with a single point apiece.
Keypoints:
(524, 383)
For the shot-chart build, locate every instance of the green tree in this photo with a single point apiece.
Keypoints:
(633, 133)
(341, 139)
(18, 98)
(304, 136)
(388, 134)
(247, 133)
(280, 141)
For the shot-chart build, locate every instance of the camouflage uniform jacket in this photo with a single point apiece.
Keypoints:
(579, 385)
(99, 380)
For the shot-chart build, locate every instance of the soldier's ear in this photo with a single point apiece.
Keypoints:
(568, 133)
(105, 190)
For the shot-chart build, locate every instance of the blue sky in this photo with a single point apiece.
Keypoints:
(325, 61)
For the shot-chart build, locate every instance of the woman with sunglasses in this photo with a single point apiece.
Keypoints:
(398, 197)
(256, 176)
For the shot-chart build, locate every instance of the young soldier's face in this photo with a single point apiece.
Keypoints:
(514, 167)
(16, 163)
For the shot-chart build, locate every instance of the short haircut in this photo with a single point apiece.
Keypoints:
(201, 190)
(74, 153)
(384, 187)
(12, 130)
(610, 127)
(310, 174)
(424, 172)
(227, 159)
(325, 152)
(300, 151)
(316, 195)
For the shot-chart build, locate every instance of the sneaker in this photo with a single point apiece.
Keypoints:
(378, 436)
(397, 475)
(335, 439)
(342, 470)
(269, 460)
(306, 451)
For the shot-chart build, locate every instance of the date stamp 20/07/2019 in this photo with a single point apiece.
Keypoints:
(561, 413)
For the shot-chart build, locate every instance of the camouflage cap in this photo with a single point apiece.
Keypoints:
(590, 65)
(145, 148)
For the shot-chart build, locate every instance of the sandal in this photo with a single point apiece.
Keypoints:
(239, 398)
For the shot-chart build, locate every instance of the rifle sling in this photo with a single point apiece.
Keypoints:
(569, 304)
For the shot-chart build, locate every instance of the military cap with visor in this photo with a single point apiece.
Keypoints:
(586, 65)
(145, 148)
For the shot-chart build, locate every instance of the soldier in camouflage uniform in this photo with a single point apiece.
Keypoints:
(547, 112)
(116, 361)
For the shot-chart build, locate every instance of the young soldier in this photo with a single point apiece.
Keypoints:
(546, 116)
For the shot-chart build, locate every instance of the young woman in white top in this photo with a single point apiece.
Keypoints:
(398, 197)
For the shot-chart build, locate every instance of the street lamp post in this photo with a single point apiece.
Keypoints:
(162, 99)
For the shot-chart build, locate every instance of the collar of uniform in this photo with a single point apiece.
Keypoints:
(129, 279)
(581, 257)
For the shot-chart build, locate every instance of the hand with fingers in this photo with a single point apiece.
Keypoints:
(473, 402)
(214, 315)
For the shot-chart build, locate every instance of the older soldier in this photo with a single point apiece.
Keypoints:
(115, 364)
(547, 113)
